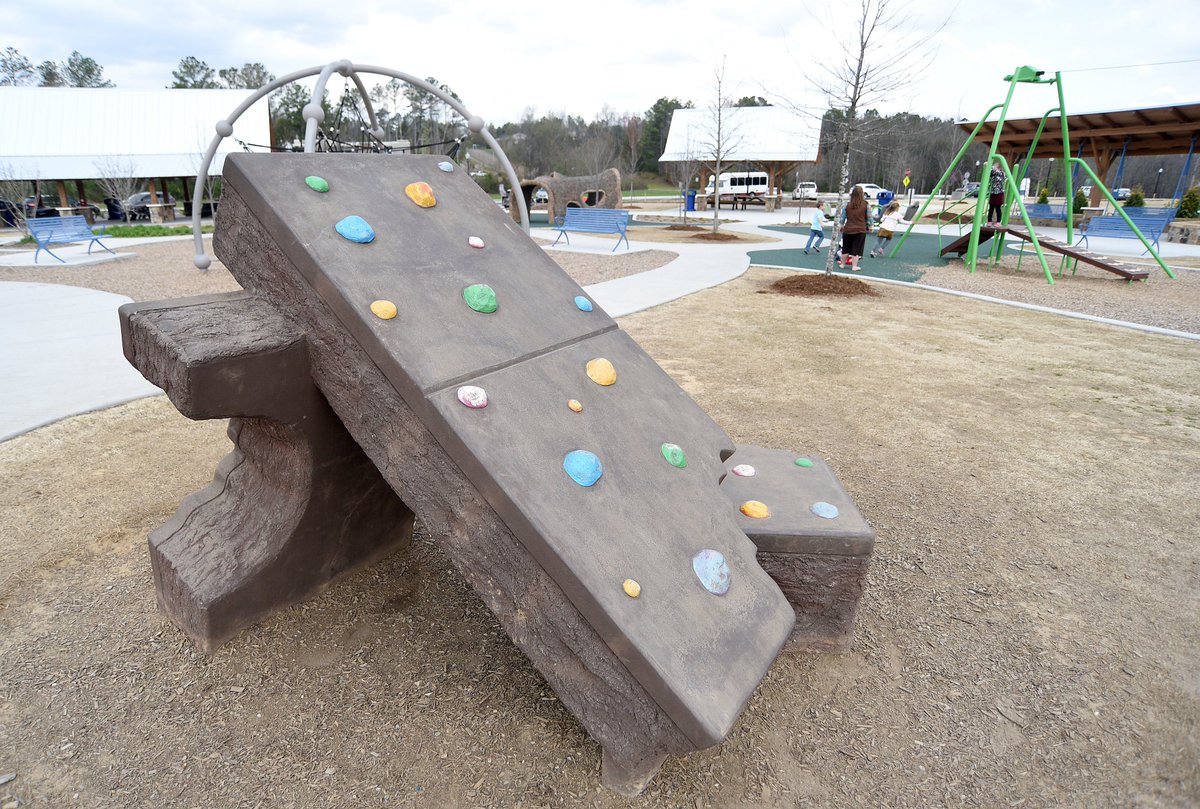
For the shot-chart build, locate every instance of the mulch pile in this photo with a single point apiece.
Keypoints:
(717, 237)
(820, 285)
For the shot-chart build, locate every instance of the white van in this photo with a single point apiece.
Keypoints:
(741, 182)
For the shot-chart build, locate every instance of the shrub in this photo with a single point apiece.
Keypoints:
(1043, 196)
(1137, 198)
(1080, 202)
(1189, 207)
(488, 183)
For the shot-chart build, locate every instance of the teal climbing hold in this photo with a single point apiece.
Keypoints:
(356, 229)
(583, 467)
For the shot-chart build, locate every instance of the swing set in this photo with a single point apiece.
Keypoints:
(968, 245)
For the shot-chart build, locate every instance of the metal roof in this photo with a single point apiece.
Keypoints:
(751, 135)
(1148, 131)
(70, 133)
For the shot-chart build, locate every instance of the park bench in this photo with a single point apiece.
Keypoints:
(1115, 227)
(63, 230)
(1045, 210)
(594, 220)
(651, 603)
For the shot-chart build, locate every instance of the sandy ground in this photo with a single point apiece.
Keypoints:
(1028, 638)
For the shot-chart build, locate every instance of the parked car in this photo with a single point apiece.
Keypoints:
(970, 189)
(45, 205)
(874, 191)
(805, 191)
(48, 205)
(1122, 193)
(138, 206)
(540, 195)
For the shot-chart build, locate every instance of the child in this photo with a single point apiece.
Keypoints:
(891, 222)
(816, 228)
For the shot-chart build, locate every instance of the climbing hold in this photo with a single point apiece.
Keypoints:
(674, 455)
(356, 229)
(712, 570)
(744, 470)
(583, 467)
(481, 298)
(384, 310)
(475, 242)
(421, 194)
(473, 397)
(631, 588)
(804, 462)
(575, 405)
(583, 304)
(601, 371)
(446, 166)
(755, 509)
(316, 183)
(827, 510)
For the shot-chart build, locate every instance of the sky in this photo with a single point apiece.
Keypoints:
(505, 60)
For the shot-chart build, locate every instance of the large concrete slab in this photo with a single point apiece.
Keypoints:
(700, 655)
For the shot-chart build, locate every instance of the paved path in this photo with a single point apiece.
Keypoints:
(60, 346)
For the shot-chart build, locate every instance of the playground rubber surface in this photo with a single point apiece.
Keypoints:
(1027, 634)
(919, 251)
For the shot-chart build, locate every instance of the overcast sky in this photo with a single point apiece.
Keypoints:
(579, 57)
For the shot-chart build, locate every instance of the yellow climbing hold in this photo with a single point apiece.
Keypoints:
(601, 371)
(755, 509)
(575, 405)
(632, 588)
(384, 310)
(421, 194)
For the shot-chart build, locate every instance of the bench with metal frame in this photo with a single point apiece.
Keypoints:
(63, 230)
(1115, 227)
(595, 220)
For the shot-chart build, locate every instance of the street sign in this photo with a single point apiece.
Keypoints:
(906, 181)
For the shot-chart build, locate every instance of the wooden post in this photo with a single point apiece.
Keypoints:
(61, 186)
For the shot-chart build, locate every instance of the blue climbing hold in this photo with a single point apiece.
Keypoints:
(446, 166)
(713, 571)
(583, 467)
(356, 229)
(583, 304)
(822, 509)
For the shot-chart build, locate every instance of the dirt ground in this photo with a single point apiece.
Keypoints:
(1028, 637)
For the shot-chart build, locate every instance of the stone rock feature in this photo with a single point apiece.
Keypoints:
(481, 298)
(665, 677)
(820, 563)
(316, 183)
(355, 229)
(564, 192)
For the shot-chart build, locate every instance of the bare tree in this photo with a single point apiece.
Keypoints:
(864, 77)
(720, 136)
(13, 192)
(632, 129)
(117, 180)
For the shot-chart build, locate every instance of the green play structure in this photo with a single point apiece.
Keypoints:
(968, 245)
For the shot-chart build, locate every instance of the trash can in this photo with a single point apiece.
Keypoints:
(885, 197)
(691, 200)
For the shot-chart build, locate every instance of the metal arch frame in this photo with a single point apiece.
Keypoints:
(314, 114)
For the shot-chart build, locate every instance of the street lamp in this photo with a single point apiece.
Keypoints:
(1157, 177)
(977, 174)
(1051, 173)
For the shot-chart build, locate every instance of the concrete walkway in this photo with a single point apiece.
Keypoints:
(60, 346)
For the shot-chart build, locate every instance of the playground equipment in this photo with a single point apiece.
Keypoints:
(968, 245)
(403, 350)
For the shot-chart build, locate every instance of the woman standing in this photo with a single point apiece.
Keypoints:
(854, 232)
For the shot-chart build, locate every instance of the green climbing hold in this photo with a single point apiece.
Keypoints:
(805, 462)
(316, 183)
(674, 455)
(481, 298)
